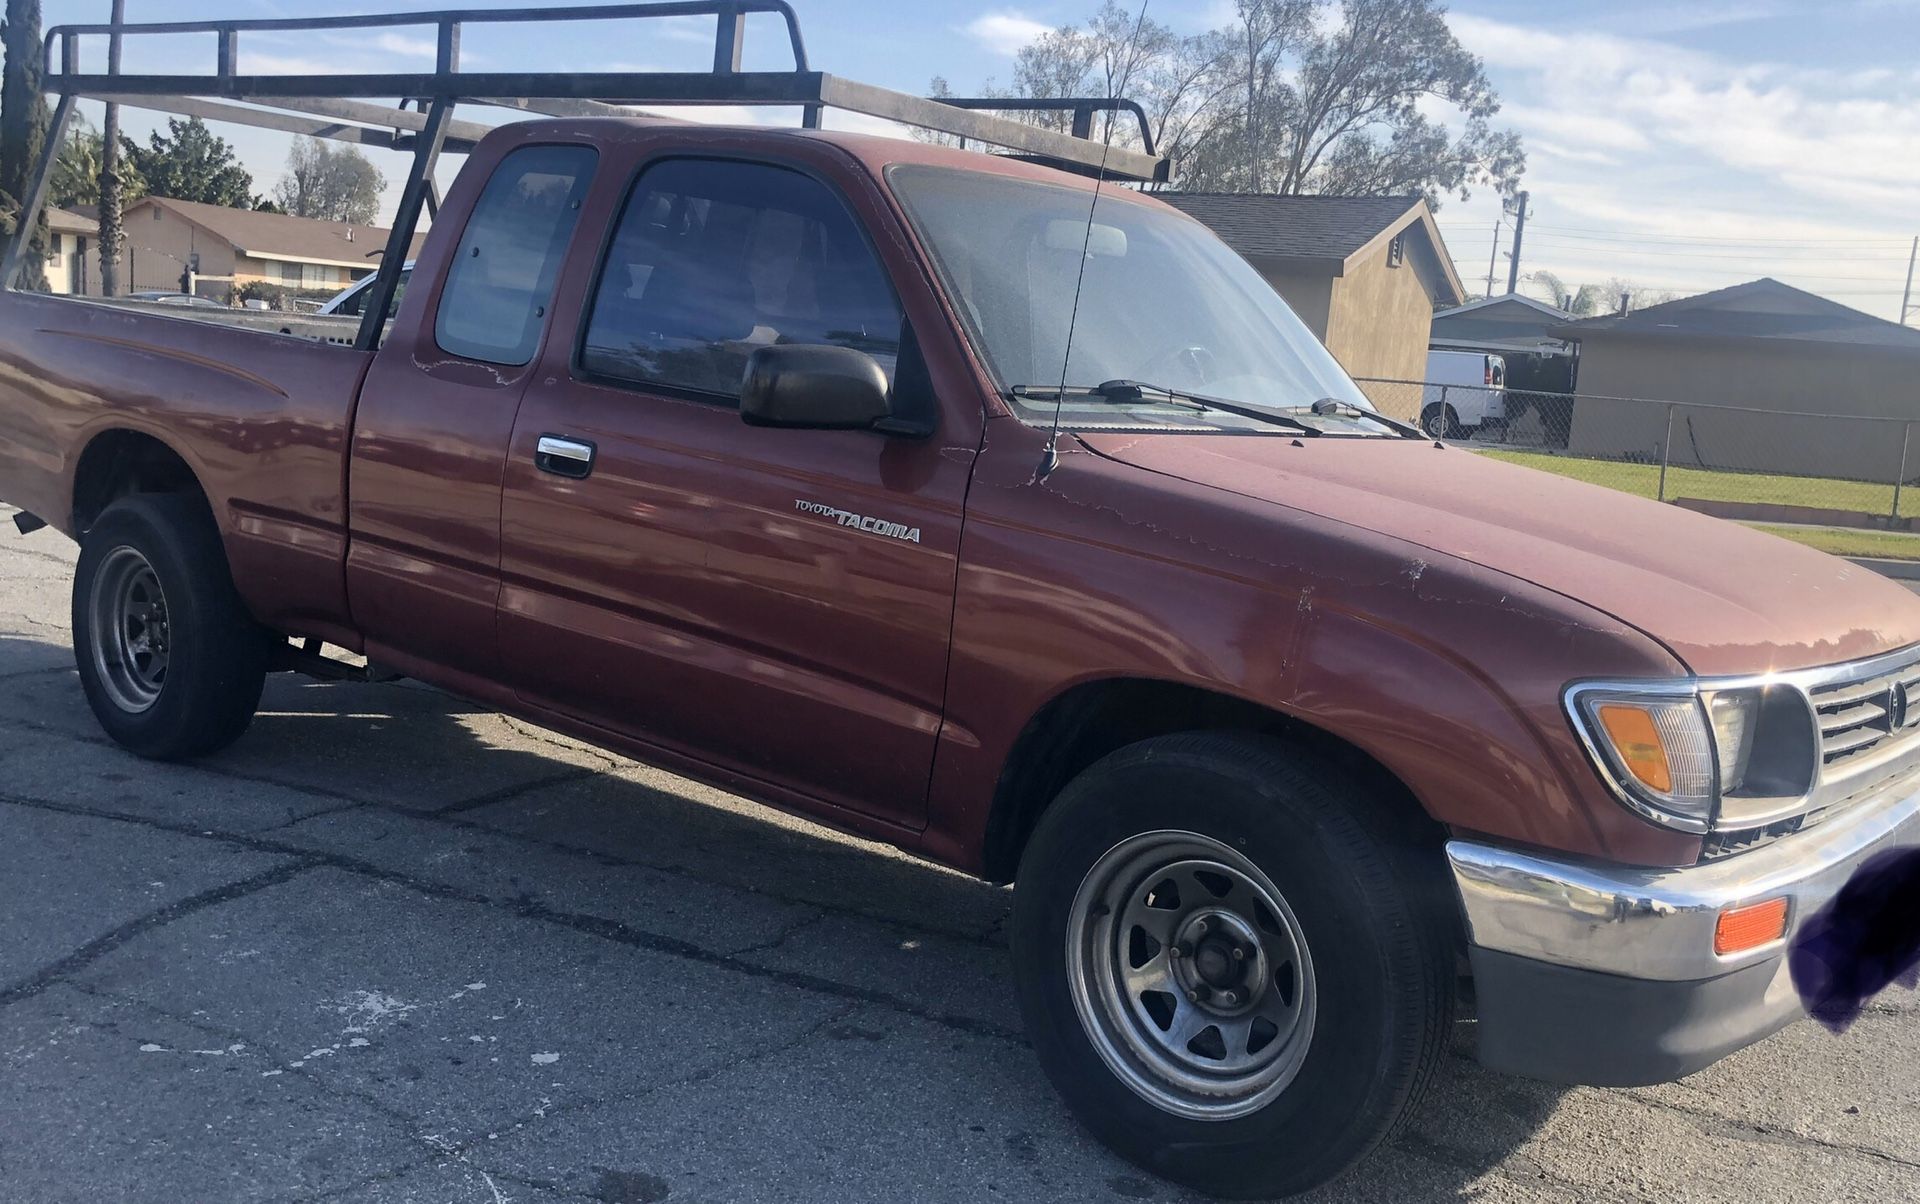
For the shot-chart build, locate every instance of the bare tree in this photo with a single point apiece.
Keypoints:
(334, 184)
(1293, 96)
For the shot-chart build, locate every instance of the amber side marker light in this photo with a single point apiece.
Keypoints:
(1637, 740)
(1749, 927)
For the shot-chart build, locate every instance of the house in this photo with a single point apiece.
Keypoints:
(73, 238)
(1761, 346)
(1517, 328)
(1364, 273)
(233, 247)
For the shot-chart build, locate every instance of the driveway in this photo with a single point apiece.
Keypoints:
(392, 948)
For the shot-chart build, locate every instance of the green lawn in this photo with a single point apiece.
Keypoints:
(1842, 541)
(1644, 479)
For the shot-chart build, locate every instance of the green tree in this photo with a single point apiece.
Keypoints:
(79, 170)
(190, 163)
(331, 183)
(23, 131)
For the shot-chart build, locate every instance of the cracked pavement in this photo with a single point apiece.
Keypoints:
(392, 948)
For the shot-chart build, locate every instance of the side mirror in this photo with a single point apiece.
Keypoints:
(820, 387)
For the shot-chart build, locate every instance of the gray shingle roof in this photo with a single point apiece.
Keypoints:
(1293, 227)
(1759, 309)
(280, 236)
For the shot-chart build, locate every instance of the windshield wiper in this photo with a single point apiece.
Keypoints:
(1333, 405)
(1128, 392)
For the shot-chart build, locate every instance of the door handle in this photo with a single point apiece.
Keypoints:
(564, 457)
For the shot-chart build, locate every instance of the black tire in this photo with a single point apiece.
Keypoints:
(216, 655)
(1441, 422)
(1368, 898)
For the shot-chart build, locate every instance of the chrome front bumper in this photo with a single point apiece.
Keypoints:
(1608, 975)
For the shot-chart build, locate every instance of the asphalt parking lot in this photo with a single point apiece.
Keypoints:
(392, 948)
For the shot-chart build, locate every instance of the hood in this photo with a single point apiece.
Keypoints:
(1724, 598)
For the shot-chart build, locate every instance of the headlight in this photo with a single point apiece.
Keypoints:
(1696, 757)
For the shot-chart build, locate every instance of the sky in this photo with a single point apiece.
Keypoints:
(1680, 144)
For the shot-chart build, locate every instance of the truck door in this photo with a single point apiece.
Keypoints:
(430, 434)
(775, 603)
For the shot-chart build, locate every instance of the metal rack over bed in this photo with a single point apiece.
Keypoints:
(361, 108)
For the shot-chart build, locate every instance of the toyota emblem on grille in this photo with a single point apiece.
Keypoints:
(1897, 706)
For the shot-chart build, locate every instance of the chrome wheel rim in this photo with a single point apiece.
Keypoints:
(1191, 975)
(131, 636)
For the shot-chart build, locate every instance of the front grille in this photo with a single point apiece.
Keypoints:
(1726, 844)
(1862, 714)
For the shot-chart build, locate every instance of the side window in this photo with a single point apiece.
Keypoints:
(712, 259)
(501, 282)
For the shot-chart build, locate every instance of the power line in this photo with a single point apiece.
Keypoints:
(1789, 256)
(1597, 232)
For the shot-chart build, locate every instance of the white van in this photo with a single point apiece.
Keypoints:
(1474, 393)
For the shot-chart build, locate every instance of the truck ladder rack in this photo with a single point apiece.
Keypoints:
(339, 106)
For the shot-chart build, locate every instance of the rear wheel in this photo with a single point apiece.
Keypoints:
(1441, 422)
(171, 662)
(1233, 964)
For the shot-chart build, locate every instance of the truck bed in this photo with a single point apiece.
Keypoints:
(261, 418)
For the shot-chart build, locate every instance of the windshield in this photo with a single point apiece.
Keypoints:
(1165, 303)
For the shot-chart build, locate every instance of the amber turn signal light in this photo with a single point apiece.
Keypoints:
(1637, 740)
(1749, 927)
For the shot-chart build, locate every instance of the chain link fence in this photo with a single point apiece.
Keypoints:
(1767, 466)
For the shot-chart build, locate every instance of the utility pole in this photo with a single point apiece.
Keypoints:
(1907, 294)
(1519, 232)
(1493, 257)
(112, 198)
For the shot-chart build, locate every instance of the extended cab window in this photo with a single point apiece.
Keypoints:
(502, 278)
(714, 258)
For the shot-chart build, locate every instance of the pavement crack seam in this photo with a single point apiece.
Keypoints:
(443, 1149)
(17, 674)
(959, 936)
(277, 1057)
(541, 736)
(1749, 1128)
(780, 938)
(106, 943)
(504, 793)
(601, 927)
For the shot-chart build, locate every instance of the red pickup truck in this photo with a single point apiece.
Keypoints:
(735, 449)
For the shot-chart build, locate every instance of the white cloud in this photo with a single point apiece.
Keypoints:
(1681, 153)
(1005, 32)
(1594, 130)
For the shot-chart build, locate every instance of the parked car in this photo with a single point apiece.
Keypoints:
(1465, 393)
(745, 452)
(165, 298)
(348, 301)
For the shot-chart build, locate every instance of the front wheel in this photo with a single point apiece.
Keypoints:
(171, 661)
(1231, 962)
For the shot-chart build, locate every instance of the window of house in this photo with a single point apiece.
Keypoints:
(713, 259)
(501, 282)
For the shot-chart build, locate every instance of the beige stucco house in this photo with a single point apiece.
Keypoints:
(73, 236)
(1763, 346)
(234, 246)
(1365, 273)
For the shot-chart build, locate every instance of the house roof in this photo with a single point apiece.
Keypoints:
(1506, 323)
(1328, 232)
(283, 237)
(1759, 309)
(66, 221)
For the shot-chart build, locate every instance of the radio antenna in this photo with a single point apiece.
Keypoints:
(1050, 458)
